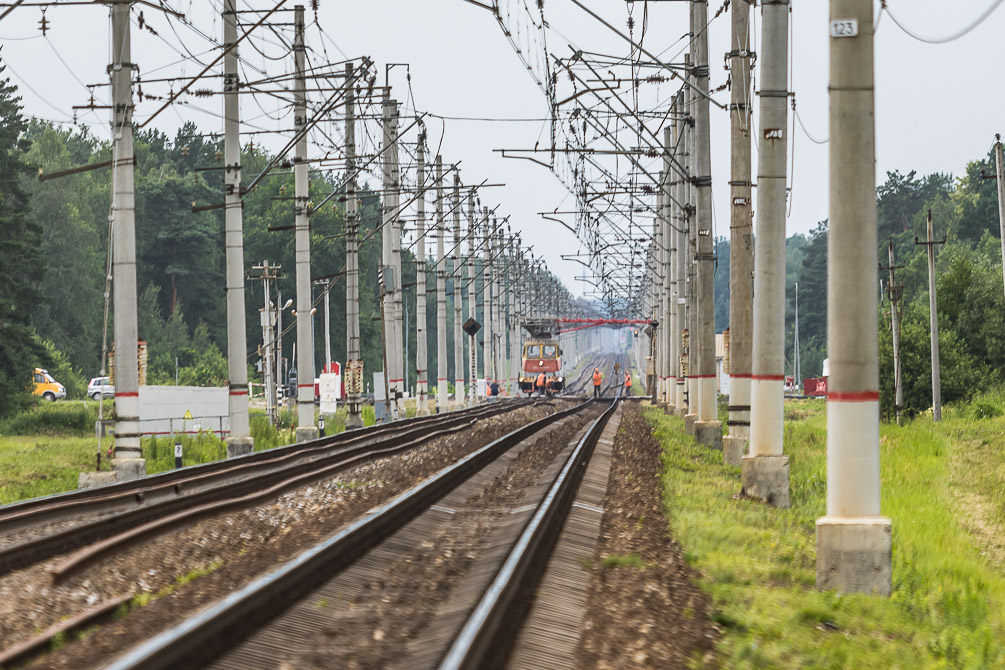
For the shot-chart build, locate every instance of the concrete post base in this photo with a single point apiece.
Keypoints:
(353, 421)
(766, 478)
(733, 449)
(854, 554)
(689, 421)
(709, 433)
(306, 433)
(129, 468)
(89, 480)
(680, 411)
(239, 446)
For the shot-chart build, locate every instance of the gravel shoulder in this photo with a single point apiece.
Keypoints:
(643, 608)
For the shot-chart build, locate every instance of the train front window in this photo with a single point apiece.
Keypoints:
(550, 351)
(533, 351)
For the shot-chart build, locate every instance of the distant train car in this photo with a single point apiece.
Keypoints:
(541, 356)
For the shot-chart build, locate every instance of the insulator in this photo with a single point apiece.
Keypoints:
(218, 155)
(203, 93)
(185, 151)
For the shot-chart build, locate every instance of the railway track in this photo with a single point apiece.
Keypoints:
(116, 517)
(279, 608)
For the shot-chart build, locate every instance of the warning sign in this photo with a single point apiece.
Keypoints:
(188, 415)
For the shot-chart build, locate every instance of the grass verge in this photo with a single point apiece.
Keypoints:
(758, 563)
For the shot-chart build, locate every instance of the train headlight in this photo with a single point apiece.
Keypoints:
(541, 363)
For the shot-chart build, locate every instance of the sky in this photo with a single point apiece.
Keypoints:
(937, 106)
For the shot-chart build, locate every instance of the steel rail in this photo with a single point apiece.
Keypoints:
(526, 560)
(124, 529)
(203, 637)
(145, 489)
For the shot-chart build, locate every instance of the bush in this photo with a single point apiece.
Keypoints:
(53, 419)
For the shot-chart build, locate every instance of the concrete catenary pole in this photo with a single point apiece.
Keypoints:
(306, 428)
(391, 257)
(933, 315)
(513, 300)
(457, 274)
(239, 441)
(691, 415)
(487, 299)
(128, 462)
(353, 373)
(499, 327)
(472, 298)
(708, 429)
(669, 270)
(660, 278)
(680, 319)
(1000, 174)
(741, 238)
(853, 540)
(766, 470)
(421, 366)
(441, 294)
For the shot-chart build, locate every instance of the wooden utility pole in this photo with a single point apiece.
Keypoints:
(895, 291)
(933, 311)
(1000, 174)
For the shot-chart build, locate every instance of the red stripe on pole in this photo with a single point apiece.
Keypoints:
(128, 394)
(305, 386)
(768, 378)
(238, 393)
(393, 381)
(741, 376)
(861, 396)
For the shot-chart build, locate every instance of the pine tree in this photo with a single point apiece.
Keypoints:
(21, 259)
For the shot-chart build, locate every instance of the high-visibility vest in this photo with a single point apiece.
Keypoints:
(596, 379)
(628, 380)
(541, 379)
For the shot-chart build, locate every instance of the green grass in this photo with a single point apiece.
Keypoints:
(758, 563)
(40, 465)
(623, 561)
(43, 450)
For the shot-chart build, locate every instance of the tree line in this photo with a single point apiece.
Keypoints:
(969, 287)
(54, 242)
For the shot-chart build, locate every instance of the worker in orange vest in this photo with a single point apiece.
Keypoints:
(541, 382)
(596, 382)
(628, 382)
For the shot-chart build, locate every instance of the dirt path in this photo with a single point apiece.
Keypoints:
(643, 609)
